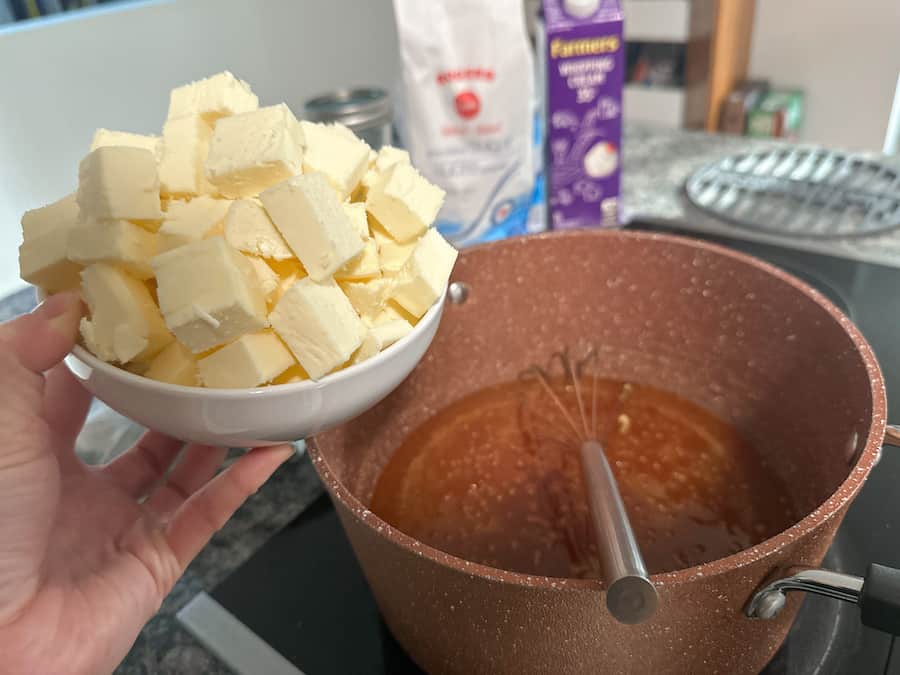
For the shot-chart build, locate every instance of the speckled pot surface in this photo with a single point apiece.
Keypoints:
(745, 340)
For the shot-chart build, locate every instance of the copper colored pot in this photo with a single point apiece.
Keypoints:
(736, 335)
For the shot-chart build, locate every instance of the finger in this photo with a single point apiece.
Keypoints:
(66, 402)
(197, 465)
(205, 512)
(138, 469)
(41, 339)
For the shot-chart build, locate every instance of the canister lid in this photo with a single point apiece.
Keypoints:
(581, 8)
(357, 108)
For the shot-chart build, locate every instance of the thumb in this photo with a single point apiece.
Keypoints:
(41, 339)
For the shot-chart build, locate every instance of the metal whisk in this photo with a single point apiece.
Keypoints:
(630, 595)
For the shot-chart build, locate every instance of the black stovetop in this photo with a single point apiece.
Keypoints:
(304, 594)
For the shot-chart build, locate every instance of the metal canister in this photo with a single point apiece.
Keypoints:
(366, 111)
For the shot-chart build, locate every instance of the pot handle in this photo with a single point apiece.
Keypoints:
(877, 594)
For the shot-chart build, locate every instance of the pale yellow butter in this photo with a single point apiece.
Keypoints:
(175, 364)
(255, 150)
(119, 183)
(249, 361)
(124, 323)
(392, 255)
(404, 202)
(380, 337)
(337, 154)
(307, 212)
(188, 221)
(106, 137)
(43, 255)
(425, 274)
(366, 265)
(318, 324)
(208, 293)
(185, 146)
(213, 97)
(368, 297)
(249, 229)
(289, 272)
(265, 276)
(117, 242)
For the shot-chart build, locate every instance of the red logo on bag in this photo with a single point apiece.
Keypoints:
(467, 105)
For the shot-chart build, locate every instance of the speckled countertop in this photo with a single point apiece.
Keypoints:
(656, 163)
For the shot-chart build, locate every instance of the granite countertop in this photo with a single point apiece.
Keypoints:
(656, 163)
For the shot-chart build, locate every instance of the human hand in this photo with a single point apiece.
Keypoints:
(83, 564)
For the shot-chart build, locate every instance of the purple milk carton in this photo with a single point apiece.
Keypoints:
(585, 68)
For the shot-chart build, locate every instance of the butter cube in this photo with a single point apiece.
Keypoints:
(265, 275)
(116, 242)
(341, 157)
(249, 229)
(175, 364)
(368, 297)
(363, 266)
(380, 337)
(106, 137)
(124, 323)
(392, 255)
(318, 324)
(255, 150)
(425, 274)
(357, 215)
(386, 157)
(214, 97)
(185, 222)
(44, 262)
(293, 374)
(43, 255)
(185, 146)
(390, 312)
(208, 293)
(306, 211)
(119, 183)
(58, 216)
(249, 361)
(404, 202)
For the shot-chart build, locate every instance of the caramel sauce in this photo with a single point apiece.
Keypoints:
(495, 478)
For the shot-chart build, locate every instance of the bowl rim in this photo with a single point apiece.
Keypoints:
(433, 314)
(842, 496)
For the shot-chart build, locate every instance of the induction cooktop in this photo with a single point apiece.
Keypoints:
(301, 605)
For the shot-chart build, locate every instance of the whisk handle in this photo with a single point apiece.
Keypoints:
(630, 597)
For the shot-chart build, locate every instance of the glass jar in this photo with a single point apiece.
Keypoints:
(365, 110)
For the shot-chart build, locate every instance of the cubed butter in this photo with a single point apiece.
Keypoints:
(214, 97)
(307, 212)
(188, 221)
(60, 215)
(185, 146)
(363, 266)
(404, 202)
(392, 255)
(249, 229)
(208, 293)
(255, 150)
(289, 272)
(292, 375)
(380, 337)
(117, 242)
(425, 274)
(342, 158)
(175, 364)
(265, 275)
(106, 137)
(124, 324)
(385, 158)
(318, 324)
(249, 361)
(43, 255)
(368, 297)
(358, 218)
(119, 183)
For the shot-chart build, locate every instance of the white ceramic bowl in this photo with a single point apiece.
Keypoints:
(260, 416)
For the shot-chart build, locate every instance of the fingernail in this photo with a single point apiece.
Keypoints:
(55, 305)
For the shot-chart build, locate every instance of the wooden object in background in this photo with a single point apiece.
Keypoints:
(729, 54)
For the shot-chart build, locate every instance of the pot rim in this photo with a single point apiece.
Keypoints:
(845, 492)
